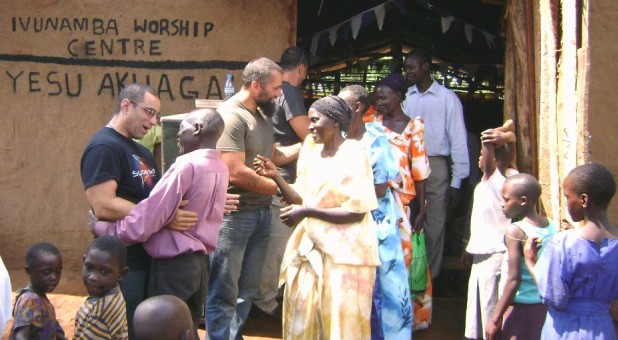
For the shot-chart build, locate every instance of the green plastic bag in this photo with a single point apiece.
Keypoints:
(418, 266)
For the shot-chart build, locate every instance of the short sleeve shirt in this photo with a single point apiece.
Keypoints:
(287, 106)
(102, 317)
(36, 312)
(488, 223)
(251, 133)
(109, 155)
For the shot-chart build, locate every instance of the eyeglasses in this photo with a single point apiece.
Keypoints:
(152, 113)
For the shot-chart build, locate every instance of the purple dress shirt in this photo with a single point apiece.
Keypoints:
(200, 177)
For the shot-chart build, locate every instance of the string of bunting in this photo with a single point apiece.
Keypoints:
(447, 21)
(355, 23)
(378, 13)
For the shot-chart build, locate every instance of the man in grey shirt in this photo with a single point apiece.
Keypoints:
(291, 126)
(236, 264)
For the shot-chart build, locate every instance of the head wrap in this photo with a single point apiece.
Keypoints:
(396, 82)
(334, 108)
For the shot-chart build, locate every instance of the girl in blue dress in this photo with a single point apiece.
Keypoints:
(577, 273)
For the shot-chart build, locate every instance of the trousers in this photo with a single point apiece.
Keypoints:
(266, 299)
(436, 194)
(235, 271)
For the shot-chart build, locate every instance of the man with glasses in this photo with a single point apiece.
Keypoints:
(118, 173)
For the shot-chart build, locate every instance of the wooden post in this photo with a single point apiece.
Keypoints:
(549, 176)
(583, 84)
(519, 82)
(567, 96)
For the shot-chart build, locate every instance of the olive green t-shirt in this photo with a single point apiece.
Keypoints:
(251, 133)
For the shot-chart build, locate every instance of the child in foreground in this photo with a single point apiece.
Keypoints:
(576, 273)
(519, 313)
(103, 315)
(163, 317)
(34, 315)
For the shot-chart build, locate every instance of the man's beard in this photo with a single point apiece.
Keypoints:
(268, 107)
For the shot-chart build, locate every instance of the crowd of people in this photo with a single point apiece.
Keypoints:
(308, 216)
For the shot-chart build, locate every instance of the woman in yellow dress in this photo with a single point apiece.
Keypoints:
(330, 261)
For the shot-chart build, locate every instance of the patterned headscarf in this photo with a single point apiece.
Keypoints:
(396, 82)
(334, 108)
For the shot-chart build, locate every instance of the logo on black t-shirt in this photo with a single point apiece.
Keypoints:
(143, 171)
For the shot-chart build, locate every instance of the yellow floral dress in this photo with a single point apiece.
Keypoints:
(329, 269)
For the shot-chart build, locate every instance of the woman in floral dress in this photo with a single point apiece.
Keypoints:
(406, 138)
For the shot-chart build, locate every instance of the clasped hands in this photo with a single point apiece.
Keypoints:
(264, 167)
(501, 135)
(291, 214)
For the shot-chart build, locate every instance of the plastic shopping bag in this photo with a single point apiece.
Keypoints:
(418, 266)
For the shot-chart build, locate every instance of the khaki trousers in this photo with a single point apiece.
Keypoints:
(436, 193)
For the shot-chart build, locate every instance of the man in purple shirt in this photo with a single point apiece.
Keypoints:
(180, 258)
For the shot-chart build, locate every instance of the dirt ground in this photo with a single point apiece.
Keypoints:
(449, 306)
(445, 326)
(448, 315)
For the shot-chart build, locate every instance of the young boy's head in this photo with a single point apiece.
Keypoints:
(164, 317)
(105, 264)
(520, 192)
(588, 185)
(44, 267)
(503, 156)
(200, 130)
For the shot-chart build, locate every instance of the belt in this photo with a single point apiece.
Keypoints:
(585, 307)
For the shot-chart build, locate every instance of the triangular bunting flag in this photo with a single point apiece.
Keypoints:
(379, 12)
(468, 31)
(490, 39)
(446, 23)
(356, 24)
(314, 44)
(332, 34)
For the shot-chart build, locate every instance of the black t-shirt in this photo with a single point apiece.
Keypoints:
(110, 155)
(287, 106)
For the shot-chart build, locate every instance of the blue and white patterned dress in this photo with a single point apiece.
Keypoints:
(392, 312)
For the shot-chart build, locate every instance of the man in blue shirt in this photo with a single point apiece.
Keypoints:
(446, 143)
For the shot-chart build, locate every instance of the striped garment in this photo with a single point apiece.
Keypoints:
(102, 317)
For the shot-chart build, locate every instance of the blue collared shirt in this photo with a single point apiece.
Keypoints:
(445, 129)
